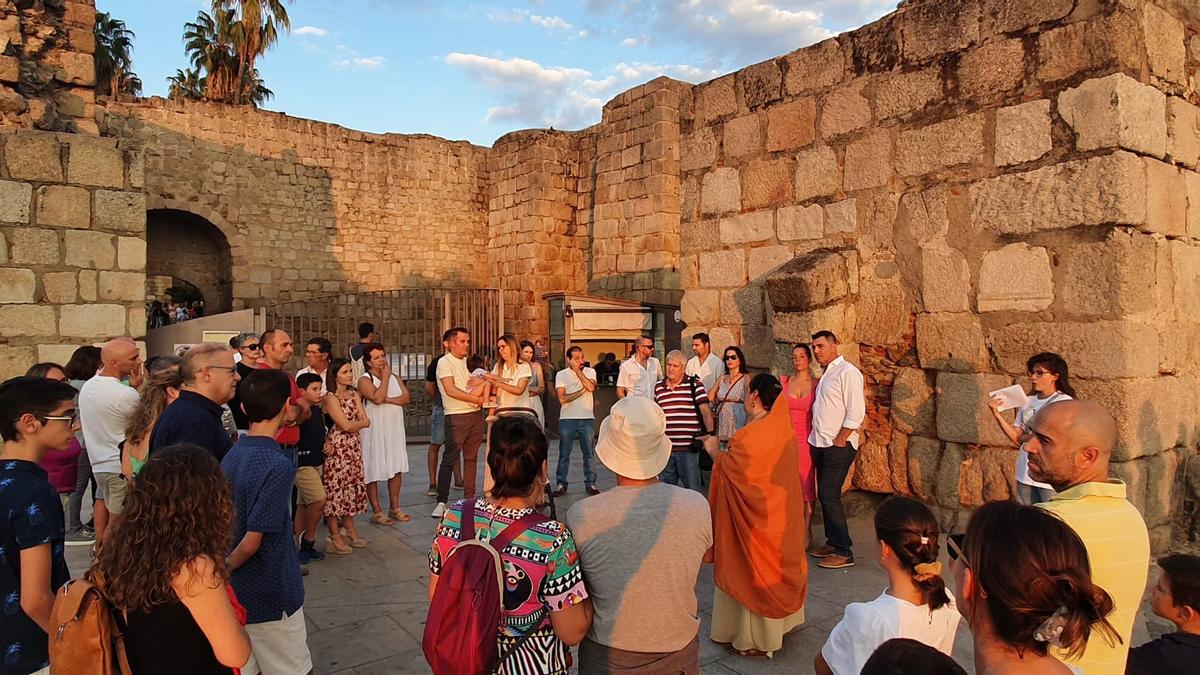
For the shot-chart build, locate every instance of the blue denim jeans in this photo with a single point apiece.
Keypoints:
(568, 431)
(683, 469)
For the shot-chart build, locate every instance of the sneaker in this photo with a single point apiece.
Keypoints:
(304, 556)
(432, 491)
(439, 510)
(836, 562)
(560, 490)
(821, 551)
(81, 537)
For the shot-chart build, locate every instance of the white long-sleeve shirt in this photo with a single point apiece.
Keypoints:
(839, 403)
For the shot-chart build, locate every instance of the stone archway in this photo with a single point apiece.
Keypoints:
(184, 246)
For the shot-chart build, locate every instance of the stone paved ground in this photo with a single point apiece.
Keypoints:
(366, 611)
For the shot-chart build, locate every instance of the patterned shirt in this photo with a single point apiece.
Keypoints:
(679, 404)
(30, 515)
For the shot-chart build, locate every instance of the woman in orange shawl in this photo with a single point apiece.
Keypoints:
(758, 528)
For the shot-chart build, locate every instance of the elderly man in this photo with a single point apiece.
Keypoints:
(105, 405)
(317, 353)
(1069, 447)
(640, 372)
(685, 402)
(704, 364)
(209, 378)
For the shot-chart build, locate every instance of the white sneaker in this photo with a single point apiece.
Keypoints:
(439, 510)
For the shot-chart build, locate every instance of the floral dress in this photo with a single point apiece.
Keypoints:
(342, 476)
(731, 406)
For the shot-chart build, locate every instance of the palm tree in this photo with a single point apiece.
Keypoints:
(186, 84)
(223, 47)
(114, 61)
(211, 43)
(260, 21)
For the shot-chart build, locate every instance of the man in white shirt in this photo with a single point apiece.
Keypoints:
(640, 372)
(576, 419)
(462, 399)
(839, 407)
(105, 406)
(704, 363)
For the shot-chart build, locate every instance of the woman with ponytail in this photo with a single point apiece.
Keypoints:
(915, 604)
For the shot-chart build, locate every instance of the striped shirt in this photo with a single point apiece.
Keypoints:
(1118, 547)
(679, 404)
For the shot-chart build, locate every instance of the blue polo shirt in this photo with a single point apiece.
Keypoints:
(269, 584)
(30, 515)
(192, 418)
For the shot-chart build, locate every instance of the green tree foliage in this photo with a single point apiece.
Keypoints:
(224, 46)
(114, 58)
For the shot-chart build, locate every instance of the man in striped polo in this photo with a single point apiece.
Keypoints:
(685, 402)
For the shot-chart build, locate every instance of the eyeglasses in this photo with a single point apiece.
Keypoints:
(645, 346)
(954, 547)
(1038, 372)
(230, 369)
(731, 357)
(253, 347)
(73, 418)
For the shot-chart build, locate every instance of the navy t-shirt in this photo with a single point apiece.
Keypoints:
(311, 451)
(268, 584)
(1168, 655)
(195, 419)
(30, 515)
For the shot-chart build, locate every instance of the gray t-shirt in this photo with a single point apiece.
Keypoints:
(641, 549)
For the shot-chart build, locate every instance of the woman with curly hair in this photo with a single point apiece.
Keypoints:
(160, 389)
(162, 567)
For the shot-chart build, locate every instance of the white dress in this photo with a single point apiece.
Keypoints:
(384, 450)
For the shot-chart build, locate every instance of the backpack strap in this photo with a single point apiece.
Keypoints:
(467, 526)
(516, 528)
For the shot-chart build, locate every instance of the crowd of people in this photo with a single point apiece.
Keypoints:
(212, 472)
(159, 313)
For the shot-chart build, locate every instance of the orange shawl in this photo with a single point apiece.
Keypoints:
(758, 517)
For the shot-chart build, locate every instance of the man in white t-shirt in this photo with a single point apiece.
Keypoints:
(105, 406)
(462, 400)
(640, 372)
(704, 364)
(576, 419)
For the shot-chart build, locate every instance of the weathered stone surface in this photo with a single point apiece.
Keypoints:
(1112, 278)
(924, 458)
(764, 259)
(16, 285)
(1191, 181)
(131, 253)
(723, 269)
(810, 281)
(884, 310)
(1006, 16)
(992, 69)
(14, 202)
(813, 68)
(76, 68)
(748, 227)
(760, 84)
(1185, 265)
(59, 287)
(791, 125)
(94, 161)
(1166, 199)
(945, 280)
(1089, 46)
(913, 403)
(89, 249)
(743, 136)
(844, 110)
(701, 235)
(940, 145)
(841, 217)
(700, 307)
(872, 470)
(868, 162)
(33, 157)
(87, 285)
(1022, 132)
(962, 412)
(841, 318)
(1016, 277)
(922, 217)
(698, 150)
(14, 361)
(744, 305)
(64, 206)
(951, 475)
(33, 246)
(1183, 132)
(27, 320)
(123, 211)
(816, 173)
(720, 191)
(122, 286)
(716, 99)
(1094, 349)
(1162, 488)
(92, 320)
(1148, 411)
(951, 342)
(903, 93)
(929, 30)
(1116, 112)
(807, 222)
(767, 183)
(1165, 49)
(58, 353)
(1110, 189)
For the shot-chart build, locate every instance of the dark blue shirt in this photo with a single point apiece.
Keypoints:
(30, 515)
(261, 477)
(311, 451)
(194, 419)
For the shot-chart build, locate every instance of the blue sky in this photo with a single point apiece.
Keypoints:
(476, 70)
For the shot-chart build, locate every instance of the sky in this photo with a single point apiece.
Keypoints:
(477, 70)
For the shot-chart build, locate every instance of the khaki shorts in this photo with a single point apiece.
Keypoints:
(279, 647)
(308, 485)
(110, 487)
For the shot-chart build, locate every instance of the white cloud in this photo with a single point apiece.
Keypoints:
(550, 22)
(523, 15)
(312, 31)
(360, 63)
(629, 42)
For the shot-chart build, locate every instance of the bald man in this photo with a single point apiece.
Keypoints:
(105, 405)
(1069, 446)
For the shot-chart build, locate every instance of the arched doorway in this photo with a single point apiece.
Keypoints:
(187, 248)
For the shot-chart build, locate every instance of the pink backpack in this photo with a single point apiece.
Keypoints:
(467, 607)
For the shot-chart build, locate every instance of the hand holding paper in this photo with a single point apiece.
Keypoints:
(1011, 397)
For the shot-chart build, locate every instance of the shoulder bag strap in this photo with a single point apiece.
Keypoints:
(696, 406)
(467, 526)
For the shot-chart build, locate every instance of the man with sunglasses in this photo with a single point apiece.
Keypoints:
(36, 415)
(247, 354)
(105, 405)
(209, 380)
(640, 372)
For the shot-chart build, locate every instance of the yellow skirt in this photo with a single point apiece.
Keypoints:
(733, 624)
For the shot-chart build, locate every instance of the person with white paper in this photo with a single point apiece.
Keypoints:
(1048, 377)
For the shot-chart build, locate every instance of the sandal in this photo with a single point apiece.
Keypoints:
(399, 515)
(747, 653)
(337, 547)
(357, 542)
(380, 518)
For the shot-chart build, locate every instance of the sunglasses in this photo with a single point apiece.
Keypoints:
(731, 357)
(253, 347)
(1038, 373)
(954, 547)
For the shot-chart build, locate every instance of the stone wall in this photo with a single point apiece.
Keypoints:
(46, 70)
(72, 245)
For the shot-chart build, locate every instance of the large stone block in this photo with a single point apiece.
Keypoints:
(1183, 132)
(122, 211)
(14, 201)
(941, 145)
(743, 136)
(64, 206)
(89, 249)
(813, 68)
(1191, 181)
(992, 69)
(57, 353)
(700, 307)
(14, 361)
(903, 93)
(816, 173)
(810, 281)
(764, 259)
(723, 269)
(35, 157)
(1163, 492)
(92, 321)
(1089, 46)
(963, 415)
(767, 183)
(760, 84)
(884, 311)
(841, 217)
(924, 459)
(698, 150)
(1110, 189)
(793, 327)
(868, 162)
(922, 217)
(929, 30)
(1153, 414)
(76, 68)
(131, 253)
(716, 99)
(1022, 132)
(844, 110)
(791, 125)
(1007, 16)
(1185, 267)
(872, 467)
(1094, 349)
(27, 320)
(913, 403)
(1166, 199)
(122, 286)
(16, 285)
(59, 287)
(1112, 278)
(945, 280)
(748, 227)
(720, 191)
(951, 475)
(34, 246)
(1165, 49)
(1016, 277)
(806, 222)
(1116, 112)
(95, 161)
(952, 342)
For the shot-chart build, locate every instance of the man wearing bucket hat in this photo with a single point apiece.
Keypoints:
(641, 545)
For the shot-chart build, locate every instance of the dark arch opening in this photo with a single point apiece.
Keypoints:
(185, 247)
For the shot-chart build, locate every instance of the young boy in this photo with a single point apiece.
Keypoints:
(1176, 598)
(310, 456)
(36, 415)
(263, 565)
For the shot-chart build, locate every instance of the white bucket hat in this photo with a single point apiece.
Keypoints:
(633, 439)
